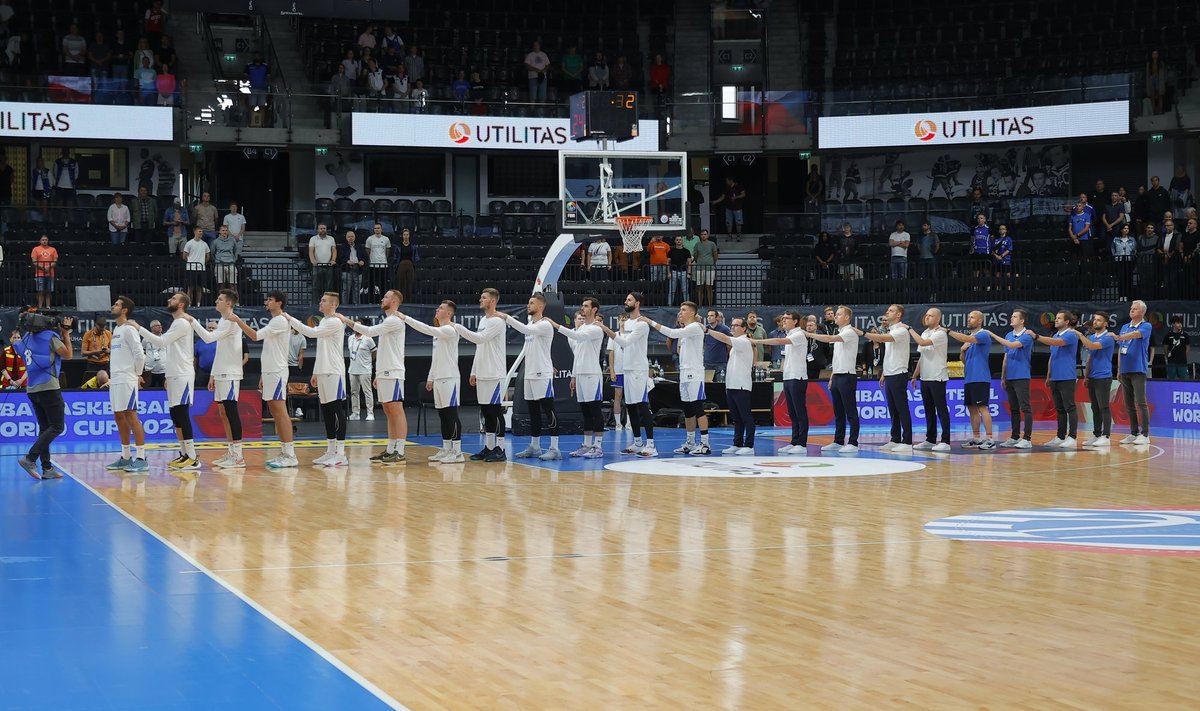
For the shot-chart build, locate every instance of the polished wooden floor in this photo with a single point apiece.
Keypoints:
(510, 586)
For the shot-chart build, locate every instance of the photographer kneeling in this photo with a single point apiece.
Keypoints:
(44, 343)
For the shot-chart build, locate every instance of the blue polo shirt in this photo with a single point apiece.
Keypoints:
(1135, 354)
(1002, 245)
(1063, 358)
(715, 352)
(981, 239)
(1077, 223)
(1100, 361)
(1018, 358)
(205, 353)
(975, 367)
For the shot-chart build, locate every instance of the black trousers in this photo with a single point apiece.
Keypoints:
(50, 410)
(1018, 402)
(897, 401)
(1063, 394)
(742, 416)
(841, 391)
(795, 395)
(1134, 385)
(1099, 390)
(933, 394)
(324, 279)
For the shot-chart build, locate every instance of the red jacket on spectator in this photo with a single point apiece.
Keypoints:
(660, 77)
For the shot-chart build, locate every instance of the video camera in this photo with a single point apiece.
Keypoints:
(38, 321)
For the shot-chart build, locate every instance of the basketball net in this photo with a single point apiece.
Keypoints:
(633, 229)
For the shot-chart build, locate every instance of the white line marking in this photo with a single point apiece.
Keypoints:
(300, 637)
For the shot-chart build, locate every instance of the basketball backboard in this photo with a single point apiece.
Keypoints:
(597, 186)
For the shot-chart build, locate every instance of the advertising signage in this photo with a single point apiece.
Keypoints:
(90, 121)
(495, 133)
(957, 128)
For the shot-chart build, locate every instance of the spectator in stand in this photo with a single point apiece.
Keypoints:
(621, 73)
(352, 67)
(122, 53)
(340, 90)
(848, 254)
(1079, 229)
(374, 78)
(1148, 259)
(460, 87)
(176, 220)
(704, 267)
(118, 220)
(1002, 259)
(407, 256)
(205, 215)
(571, 66)
(1098, 199)
(898, 242)
(42, 187)
(420, 97)
(1191, 255)
(660, 76)
(414, 64)
(235, 222)
(980, 251)
(351, 258)
(1181, 188)
(399, 89)
(1124, 253)
(45, 259)
(142, 210)
(147, 81)
(680, 262)
(826, 255)
(979, 207)
(378, 247)
(598, 76)
(196, 255)
(226, 252)
(367, 38)
(143, 51)
(1114, 217)
(814, 189)
(928, 246)
(155, 369)
(97, 345)
(66, 176)
(165, 85)
(537, 65)
(1177, 346)
(1141, 209)
(155, 23)
(478, 95)
(656, 255)
(391, 40)
(99, 56)
(716, 354)
(1170, 250)
(1159, 200)
(258, 74)
(74, 50)
(166, 53)
(322, 256)
(734, 197)
(598, 259)
(1156, 82)
(12, 369)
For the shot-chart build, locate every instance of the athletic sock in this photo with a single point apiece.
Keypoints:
(139, 452)
(289, 449)
(588, 440)
(500, 443)
(637, 442)
(399, 447)
(456, 446)
(445, 445)
(189, 448)
(704, 436)
(339, 447)
(691, 437)
(237, 450)
(650, 443)
(535, 442)
(391, 446)
(490, 439)
(553, 441)
(330, 446)
(125, 451)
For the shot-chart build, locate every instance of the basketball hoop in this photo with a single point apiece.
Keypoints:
(632, 229)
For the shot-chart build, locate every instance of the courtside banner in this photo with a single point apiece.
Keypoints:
(496, 133)
(1033, 123)
(35, 120)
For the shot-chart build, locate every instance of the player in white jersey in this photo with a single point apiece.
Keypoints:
(690, 340)
(488, 372)
(225, 378)
(795, 377)
(444, 380)
(389, 373)
(895, 378)
(539, 379)
(180, 376)
(276, 339)
(125, 374)
(586, 339)
(636, 374)
(329, 376)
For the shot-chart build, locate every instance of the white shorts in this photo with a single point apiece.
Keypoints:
(331, 388)
(179, 390)
(589, 388)
(487, 391)
(705, 274)
(390, 390)
(226, 389)
(445, 393)
(691, 387)
(275, 386)
(637, 388)
(538, 389)
(123, 396)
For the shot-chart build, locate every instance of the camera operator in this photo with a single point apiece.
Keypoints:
(44, 343)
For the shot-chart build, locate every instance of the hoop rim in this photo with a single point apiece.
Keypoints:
(629, 220)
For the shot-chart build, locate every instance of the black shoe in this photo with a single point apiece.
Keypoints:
(495, 455)
(481, 455)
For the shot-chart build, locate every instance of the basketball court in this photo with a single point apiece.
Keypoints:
(737, 582)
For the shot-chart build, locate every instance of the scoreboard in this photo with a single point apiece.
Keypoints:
(611, 115)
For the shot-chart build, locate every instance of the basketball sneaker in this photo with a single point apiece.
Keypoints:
(595, 452)
(1128, 439)
(648, 451)
(584, 449)
(283, 461)
(497, 454)
(118, 465)
(700, 450)
(529, 452)
(452, 456)
(924, 446)
(1142, 439)
(685, 448)
(189, 465)
(547, 456)
(323, 459)
(177, 462)
(1023, 444)
(1101, 441)
(137, 466)
(988, 443)
(972, 443)
(336, 460)
(1056, 442)
(1009, 443)
(940, 447)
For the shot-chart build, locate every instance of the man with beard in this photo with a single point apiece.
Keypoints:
(538, 379)
(125, 375)
(181, 373)
(632, 340)
(586, 337)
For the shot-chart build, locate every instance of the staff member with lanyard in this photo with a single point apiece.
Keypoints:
(843, 382)
(44, 352)
(1060, 379)
(1133, 370)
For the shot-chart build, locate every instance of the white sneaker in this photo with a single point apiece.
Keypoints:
(437, 456)
(1023, 444)
(923, 446)
(581, 451)
(1101, 442)
(633, 448)
(595, 452)
(973, 442)
(1141, 439)
(283, 462)
(647, 452)
(685, 448)
(902, 449)
(1090, 441)
(370, 417)
(323, 458)
(1009, 443)
(337, 460)
(1128, 439)
(730, 450)
(529, 452)
(223, 461)
(744, 451)
(849, 449)
(236, 463)
(1069, 443)
(987, 444)
(453, 456)
(832, 447)
(1056, 442)
(799, 450)
(940, 447)
(700, 450)
(550, 455)
(887, 447)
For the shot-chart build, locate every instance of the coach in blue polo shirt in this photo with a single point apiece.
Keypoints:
(1133, 369)
(1099, 379)
(977, 379)
(1015, 374)
(1060, 380)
